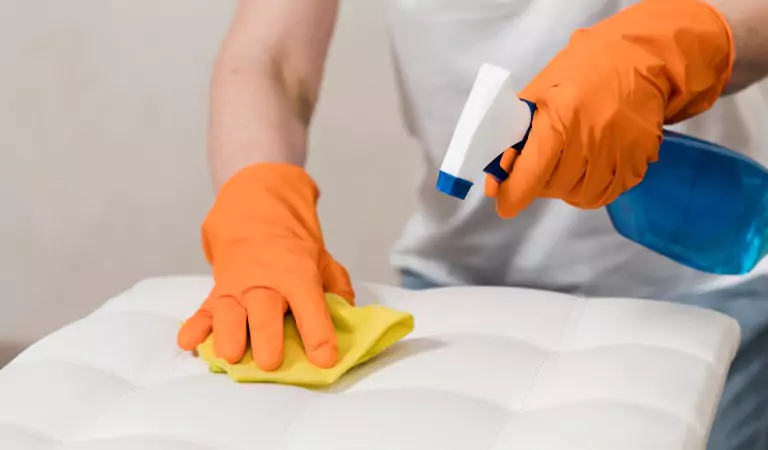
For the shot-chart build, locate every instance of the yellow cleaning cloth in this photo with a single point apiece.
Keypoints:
(363, 332)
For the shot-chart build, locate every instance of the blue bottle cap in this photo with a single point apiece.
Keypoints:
(453, 186)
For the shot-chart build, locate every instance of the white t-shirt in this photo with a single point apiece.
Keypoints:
(438, 46)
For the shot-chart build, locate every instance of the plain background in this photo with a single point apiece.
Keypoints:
(103, 182)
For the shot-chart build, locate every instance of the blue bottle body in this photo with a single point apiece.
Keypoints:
(701, 205)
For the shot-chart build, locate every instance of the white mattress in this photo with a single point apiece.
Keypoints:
(486, 368)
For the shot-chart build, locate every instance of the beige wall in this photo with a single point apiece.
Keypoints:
(102, 166)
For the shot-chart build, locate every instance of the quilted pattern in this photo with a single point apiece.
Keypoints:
(485, 369)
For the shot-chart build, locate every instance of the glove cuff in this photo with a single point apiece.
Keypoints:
(708, 46)
(693, 44)
(279, 196)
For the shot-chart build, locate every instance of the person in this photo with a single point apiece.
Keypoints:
(606, 76)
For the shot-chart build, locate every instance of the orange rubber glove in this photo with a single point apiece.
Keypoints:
(263, 240)
(602, 101)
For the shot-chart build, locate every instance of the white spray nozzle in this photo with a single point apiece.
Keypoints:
(493, 120)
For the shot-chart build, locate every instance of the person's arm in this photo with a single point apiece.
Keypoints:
(747, 20)
(262, 236)
(266, 82)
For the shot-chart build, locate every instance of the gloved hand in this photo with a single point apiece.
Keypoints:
(264, 242)
(602, 101)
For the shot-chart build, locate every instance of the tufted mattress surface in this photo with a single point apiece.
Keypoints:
(485, 369)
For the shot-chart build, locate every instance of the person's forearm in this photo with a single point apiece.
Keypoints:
(747, 20)
(265, 83)
(253, 119)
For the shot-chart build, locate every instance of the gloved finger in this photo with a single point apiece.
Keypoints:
(195, 330)
(313, 319)
(594, 186)
(606, 179)
(229, 329)
(588, 194)
(507, 162)
(533, 168)
(632, 164)
(568, 175)
(266, 309)
(336, 279)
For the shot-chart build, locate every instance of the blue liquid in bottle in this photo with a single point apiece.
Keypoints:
(701, 205)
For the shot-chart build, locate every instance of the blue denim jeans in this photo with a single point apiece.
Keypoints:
(742, 418)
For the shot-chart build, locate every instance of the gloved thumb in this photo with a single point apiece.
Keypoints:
(530, 171)
(336, 279)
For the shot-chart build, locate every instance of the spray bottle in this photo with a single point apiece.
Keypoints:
(493, 119)
(701, 205)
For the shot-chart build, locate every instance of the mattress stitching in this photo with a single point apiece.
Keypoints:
(73, 362)
(33, 431)
(575, 351)
(575, 315)
(176, 438)
(85, 428)
(555, 353)
(296, 419)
